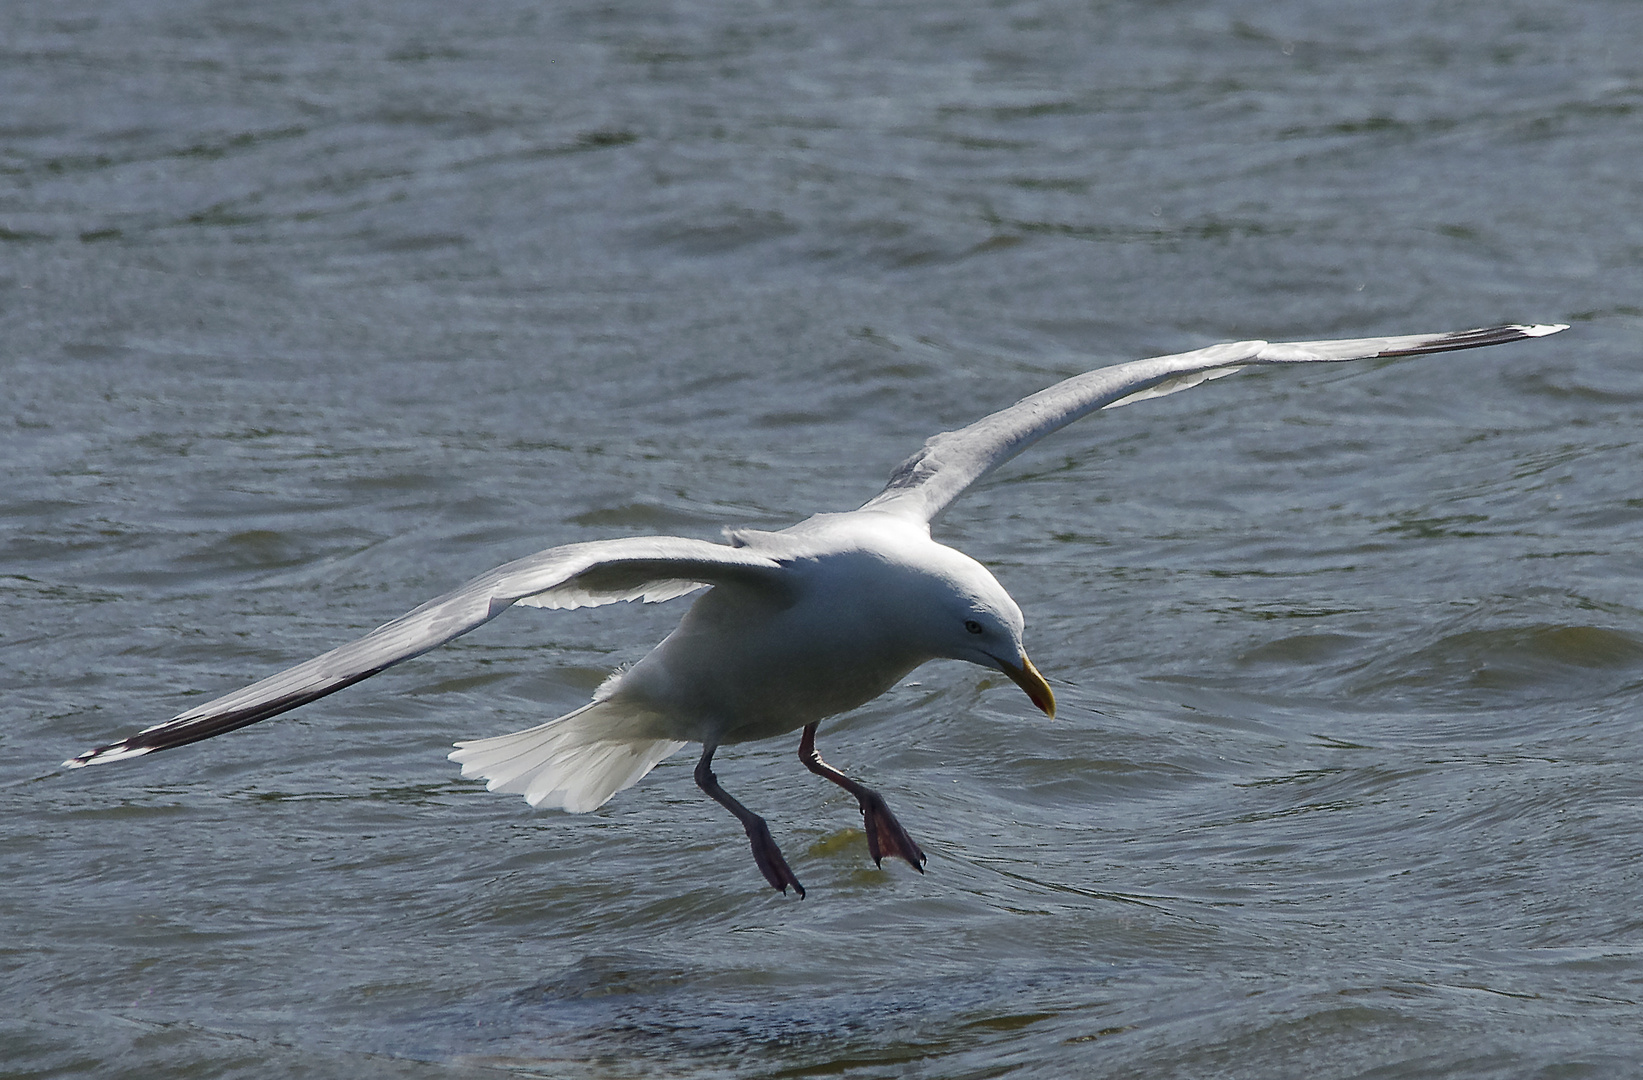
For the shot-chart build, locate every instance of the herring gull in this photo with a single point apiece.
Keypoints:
(796, 626)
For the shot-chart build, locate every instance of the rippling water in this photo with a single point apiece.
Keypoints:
(309, 311)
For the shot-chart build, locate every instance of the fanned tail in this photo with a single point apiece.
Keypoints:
(574, 763)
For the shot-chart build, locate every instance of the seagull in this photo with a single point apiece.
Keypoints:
(796, 625)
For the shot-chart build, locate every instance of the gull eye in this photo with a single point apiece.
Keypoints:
(972, 626)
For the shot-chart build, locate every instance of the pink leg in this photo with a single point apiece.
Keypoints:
(765, 852)
(885, 836)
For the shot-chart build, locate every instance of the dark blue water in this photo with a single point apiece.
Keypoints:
(310, 311)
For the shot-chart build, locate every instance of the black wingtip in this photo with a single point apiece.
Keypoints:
(181, 731)
(1477, 339)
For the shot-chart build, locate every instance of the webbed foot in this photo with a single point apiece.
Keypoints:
(885, 836)
(769, 857)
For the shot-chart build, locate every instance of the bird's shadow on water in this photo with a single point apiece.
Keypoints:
(633, 1013)
(876, 988)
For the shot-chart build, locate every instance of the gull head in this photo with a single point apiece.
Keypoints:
(967, 615)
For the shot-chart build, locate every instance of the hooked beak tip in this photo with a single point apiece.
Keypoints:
(1027, 677)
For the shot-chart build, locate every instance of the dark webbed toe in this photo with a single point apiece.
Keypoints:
(885, 836)
(769, 857)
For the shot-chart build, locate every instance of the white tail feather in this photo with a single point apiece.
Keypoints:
(574, 763)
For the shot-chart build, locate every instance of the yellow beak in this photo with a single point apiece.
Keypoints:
(1027, 677)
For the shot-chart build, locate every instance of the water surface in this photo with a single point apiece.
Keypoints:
(309, 312)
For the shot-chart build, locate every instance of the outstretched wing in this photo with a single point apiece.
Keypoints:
(923, 485)
(576, 575)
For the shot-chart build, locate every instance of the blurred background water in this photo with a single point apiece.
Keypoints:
(310, 311)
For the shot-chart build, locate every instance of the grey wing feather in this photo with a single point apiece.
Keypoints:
(924, 484)
(575, 575)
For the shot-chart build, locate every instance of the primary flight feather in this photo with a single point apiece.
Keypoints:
(796, 625)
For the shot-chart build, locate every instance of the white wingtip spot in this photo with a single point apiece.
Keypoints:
(103, 757)
(1543, 330)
